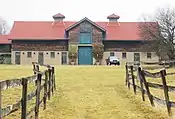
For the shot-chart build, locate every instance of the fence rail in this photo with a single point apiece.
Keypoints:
(44, 80)
(144, 85)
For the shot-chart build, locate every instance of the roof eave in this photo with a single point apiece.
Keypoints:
(122, 40)
(5, 43)
(38, 38)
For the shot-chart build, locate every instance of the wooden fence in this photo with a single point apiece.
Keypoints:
(42, 81)
(136, 73)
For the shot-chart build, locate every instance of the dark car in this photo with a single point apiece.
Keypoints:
(113, 60)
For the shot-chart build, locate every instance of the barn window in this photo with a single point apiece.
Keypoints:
(149, 55)
(111, 53)
(52, 54)
(29, 54)
(124, 55)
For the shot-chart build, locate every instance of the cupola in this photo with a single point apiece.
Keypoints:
(113, 17)
(58, 17)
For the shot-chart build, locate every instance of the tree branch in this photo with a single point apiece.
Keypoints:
(161, 30)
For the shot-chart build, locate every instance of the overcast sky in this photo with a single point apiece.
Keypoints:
(97, 10)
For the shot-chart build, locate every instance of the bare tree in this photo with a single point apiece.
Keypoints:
(3, 26)
(161, 31)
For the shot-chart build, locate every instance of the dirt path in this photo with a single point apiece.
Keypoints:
(96, 93)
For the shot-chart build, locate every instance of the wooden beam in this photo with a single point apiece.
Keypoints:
(165, 87)
(45, 90)
(126, 76)
(38, 96)
(24, 99)
(141, 83)
(147, 88)
(133, 80)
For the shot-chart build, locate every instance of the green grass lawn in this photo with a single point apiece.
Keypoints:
(86, 92)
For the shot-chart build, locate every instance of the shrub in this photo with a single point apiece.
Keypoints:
(98, 50)
(73, 53)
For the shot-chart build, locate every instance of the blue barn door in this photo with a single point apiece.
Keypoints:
(85, 55)
(85, 38)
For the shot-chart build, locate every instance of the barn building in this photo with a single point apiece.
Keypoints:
(48, 41)
(5, 49)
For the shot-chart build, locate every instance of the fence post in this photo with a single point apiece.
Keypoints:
(52, 82)
(133, 80)
(165, 88)
(126, 80)
(49, 90)
(128, 77)
(37, 67)
(141, 83)
(34, 68)
(53, 74)
(0, 102)
(147, 88)
(37, 71)
(45, 90)
(24, 99)
(39, 76)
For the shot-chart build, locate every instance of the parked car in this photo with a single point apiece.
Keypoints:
(113, 60)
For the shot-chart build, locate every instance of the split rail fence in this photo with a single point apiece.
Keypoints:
(136, 73)
(42, 80)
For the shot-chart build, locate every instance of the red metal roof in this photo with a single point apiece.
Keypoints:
(4, 39)
(59, 16)
(56, 30)
(121, 30)
(113, 16)
(39, 30)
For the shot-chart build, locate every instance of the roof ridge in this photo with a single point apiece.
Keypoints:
(93, 21)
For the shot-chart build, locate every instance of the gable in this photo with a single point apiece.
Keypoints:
(82, 29)
(85, 21)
